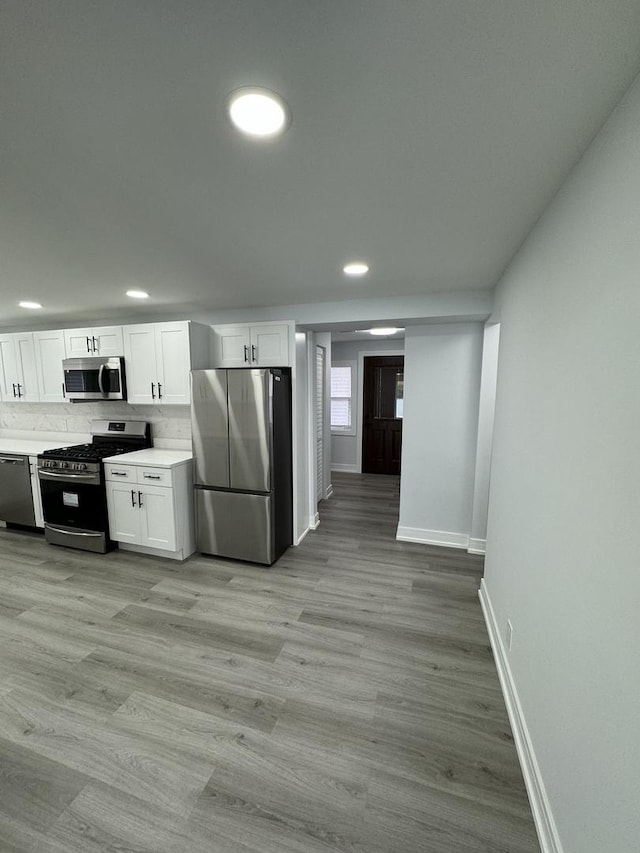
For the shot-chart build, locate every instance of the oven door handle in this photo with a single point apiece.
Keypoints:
(71, 532)
(50, 475)
(100, 375)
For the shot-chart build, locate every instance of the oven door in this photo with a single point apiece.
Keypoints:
(75, 509)
(94, 379)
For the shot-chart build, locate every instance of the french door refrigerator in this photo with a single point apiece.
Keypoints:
(241, 434)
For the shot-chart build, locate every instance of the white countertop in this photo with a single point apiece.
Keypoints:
(159, 457)
(29, 446)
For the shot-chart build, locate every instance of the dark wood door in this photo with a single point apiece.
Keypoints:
(382, 414)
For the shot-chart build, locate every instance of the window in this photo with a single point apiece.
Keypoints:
(342, 391)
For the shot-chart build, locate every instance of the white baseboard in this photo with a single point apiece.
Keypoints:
(432, 537)
(314, 521)
(301, 537)
(540, 806)
(343, 468)
(328, 491)
(477, 546)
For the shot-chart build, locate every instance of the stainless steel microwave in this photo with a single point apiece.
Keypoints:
(94, 378)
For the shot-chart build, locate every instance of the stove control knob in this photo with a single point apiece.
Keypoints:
(64, 464)
(81, 466)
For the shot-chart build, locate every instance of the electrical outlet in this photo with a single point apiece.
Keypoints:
(509, 634)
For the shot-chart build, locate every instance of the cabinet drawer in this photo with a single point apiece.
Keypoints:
(120, 473)
(154, 476)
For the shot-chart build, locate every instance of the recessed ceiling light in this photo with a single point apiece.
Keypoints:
(258, 112)
(29, 305)
(356, 268)
(137, 294)
(390, 330)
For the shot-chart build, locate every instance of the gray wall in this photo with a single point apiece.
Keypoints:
(441, 393)
(562, 544)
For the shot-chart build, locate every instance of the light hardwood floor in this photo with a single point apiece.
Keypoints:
(345, 699)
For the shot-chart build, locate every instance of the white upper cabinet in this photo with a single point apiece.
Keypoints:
(101, 340)
(173, 357)
(49, 353)
(251, 346)
(157, 363)
(18, 378)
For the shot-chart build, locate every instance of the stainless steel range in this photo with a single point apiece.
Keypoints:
(74, 497)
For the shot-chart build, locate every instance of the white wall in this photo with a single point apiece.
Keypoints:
(441, 391)
(562, 546)
(450, 307)
(478, 540)
(302, 486)
(346, 450)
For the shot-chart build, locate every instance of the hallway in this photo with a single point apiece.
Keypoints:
(343, 700)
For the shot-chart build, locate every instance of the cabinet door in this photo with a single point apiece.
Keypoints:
(269, 346)
(78, 342)
(140, 363)
(174, 362)
(8, 368)
(232, 346)
(27, 375)
(124, 512)
(157, 518)
(108, 340)
(49, 352)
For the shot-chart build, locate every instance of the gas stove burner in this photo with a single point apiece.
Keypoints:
(90, 452)
(110, 438)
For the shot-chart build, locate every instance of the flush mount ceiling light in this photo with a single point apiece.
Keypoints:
(258, 112)
(137, 294)
(355, 268)
(390, 330)
(29, 305)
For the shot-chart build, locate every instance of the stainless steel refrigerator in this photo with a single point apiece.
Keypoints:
(241, 428)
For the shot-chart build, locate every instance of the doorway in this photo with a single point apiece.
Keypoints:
(383, 401)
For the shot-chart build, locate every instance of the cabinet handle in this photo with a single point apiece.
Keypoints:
(133, 498)
(159, 391)
(96, 344)
(14, 389)
(88, 344)
(246, 353)
(19, 390)
(119, 473)
(139, 498)
(253, 353)
(153, 390)
(151, 477)
(63, 390)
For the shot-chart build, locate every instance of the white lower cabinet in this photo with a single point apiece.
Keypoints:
(151, 509)
(35, 490)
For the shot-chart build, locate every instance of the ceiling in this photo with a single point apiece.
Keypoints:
(426, 137)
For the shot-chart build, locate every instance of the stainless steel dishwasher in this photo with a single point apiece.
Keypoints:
(16, 500)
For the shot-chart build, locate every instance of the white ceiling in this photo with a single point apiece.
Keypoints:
(427, 137)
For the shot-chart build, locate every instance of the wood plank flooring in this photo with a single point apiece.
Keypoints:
(343, 701)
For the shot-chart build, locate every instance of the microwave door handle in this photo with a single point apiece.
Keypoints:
(100, 375)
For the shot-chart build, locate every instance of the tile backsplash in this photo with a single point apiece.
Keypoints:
(170, 425)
